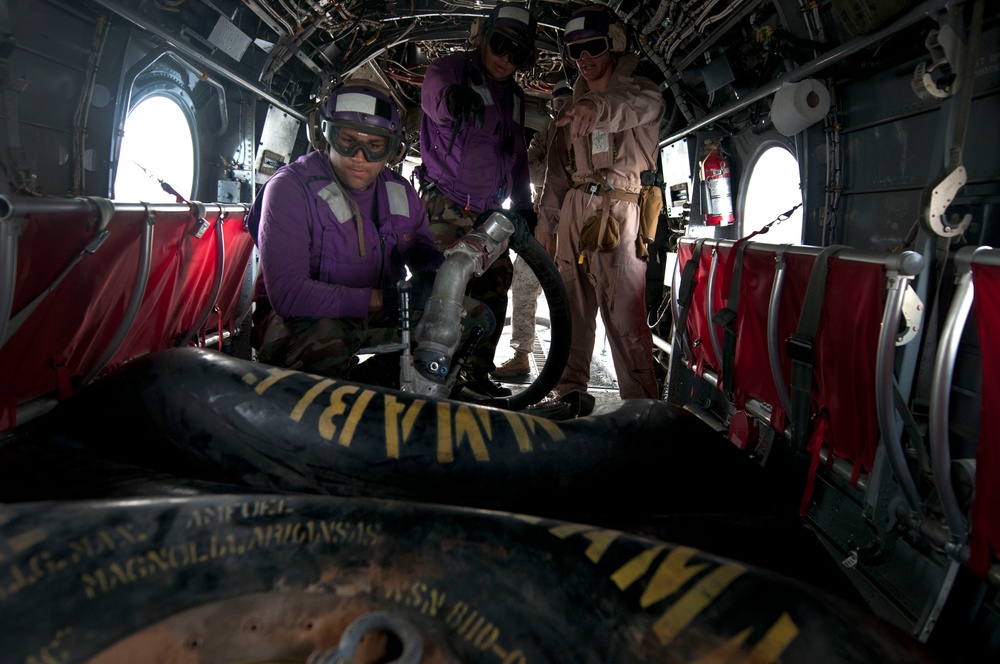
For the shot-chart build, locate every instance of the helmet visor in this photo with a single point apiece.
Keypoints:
(502, 45)
(348, 137)
(592, 47)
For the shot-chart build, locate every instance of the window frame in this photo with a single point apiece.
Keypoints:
(162, 83)
(744, 187)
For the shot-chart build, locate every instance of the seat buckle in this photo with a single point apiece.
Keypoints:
(593, 188)
(799, 347)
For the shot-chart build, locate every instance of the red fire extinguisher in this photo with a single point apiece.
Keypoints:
(717, 196)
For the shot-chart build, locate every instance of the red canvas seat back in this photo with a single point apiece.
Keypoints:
(70, 324)
(985, 526)
(180, 291)
(843, 393)
(238, 250)
(844, 400)
(844, 349)
(752, 376)
(698, 322)
(846, 352)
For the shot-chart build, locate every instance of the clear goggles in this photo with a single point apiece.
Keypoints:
(502, 45)
(557, 103)
(347, 138)
(592, 47)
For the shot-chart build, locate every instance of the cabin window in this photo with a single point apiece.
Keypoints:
(773, 189)
(157, 145)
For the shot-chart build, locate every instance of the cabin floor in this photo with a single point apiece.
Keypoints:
(603, 382)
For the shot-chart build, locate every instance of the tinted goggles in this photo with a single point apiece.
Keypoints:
(592, 47)
(502, 45)
(374, 146)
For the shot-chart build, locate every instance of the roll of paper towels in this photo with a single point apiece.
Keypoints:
(798, 105)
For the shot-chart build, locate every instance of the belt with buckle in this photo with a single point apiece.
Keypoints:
(618, 194)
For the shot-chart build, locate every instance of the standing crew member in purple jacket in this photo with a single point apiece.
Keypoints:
(336, 231)
(475, 156)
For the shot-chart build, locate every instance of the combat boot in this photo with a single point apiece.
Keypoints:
(519, 365)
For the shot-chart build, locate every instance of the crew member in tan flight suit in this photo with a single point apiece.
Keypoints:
(608, 136)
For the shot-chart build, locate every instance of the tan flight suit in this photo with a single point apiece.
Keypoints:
(623, 144)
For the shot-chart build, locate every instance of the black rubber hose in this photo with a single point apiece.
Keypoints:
(530, 250)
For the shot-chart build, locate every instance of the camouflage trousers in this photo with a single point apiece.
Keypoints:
(525, 290)
(449, 221)
(329, 346)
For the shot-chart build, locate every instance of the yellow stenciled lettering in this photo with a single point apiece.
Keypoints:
(486, 637)
(433, 603)
(767, 651)
(471, 625)
(600, 539)
(94, 582)
(693, 602)
(327, 428)
(520, 431)
(445, 452)
(456, 615)
(428, 600)
(466, 428)
(671, 575)
(633, 570)
(53, 652)
(26, 540)
(274, 375)
(527, 518)
(351, 425)
(564, 530)
(775, 641)
(309, 397)
(393, 436)
(550, 427)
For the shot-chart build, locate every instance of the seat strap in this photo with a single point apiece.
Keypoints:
(799, 347)
(686, 288)
(726, 318)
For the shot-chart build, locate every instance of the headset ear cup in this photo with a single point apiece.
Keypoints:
(619, 41)
(316, 132)
(397, 158)
(478, 30)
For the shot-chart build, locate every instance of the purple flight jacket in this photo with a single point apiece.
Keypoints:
(319, 258)
(480, 166)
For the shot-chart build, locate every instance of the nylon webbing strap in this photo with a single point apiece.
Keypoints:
(799, 347)
(686, 288)
(726, 319)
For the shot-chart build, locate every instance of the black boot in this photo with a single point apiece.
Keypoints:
(480, 383)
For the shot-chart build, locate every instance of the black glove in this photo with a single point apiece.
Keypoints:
(465, 105)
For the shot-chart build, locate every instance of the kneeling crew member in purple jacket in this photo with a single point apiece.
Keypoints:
(336, 231)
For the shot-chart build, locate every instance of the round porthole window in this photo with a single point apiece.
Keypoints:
(157, 145)
(772, 191)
